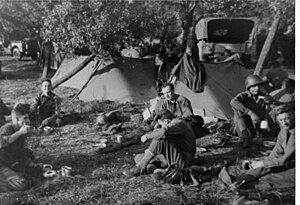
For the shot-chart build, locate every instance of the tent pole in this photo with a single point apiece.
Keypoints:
(73, 72)
(85, 84)
(267, 45)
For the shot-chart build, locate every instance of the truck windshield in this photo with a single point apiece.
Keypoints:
(229, 30)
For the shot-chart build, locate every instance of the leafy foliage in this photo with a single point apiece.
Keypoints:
(108, 26)
(20, 16)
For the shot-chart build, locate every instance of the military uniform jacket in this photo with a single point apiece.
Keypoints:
(11, 152)
(284, 151)
(46, 106)
(244, 102)
(180, 107)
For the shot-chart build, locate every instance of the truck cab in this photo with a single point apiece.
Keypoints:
(25, 48)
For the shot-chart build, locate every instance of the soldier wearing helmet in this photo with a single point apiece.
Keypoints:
(249, 109)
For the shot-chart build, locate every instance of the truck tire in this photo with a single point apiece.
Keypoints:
(16, 54)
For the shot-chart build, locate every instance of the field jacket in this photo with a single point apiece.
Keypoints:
(245, 102)
(180, 107)
(46, 106)
(11, 152)
(283, 154)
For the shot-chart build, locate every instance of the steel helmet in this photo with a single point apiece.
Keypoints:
(101, 119)
(252, 80)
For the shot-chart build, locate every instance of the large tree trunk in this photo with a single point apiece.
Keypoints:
(40, 45)
(73, 72)
(46, 58)
(267, 45)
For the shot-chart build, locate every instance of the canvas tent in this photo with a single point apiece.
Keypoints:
(126, 80)
(223, 82)
(133, 80)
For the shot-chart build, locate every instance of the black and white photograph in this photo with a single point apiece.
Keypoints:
(148, 102)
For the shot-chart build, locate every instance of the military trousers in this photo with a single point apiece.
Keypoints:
(171, 151)
(265, 178)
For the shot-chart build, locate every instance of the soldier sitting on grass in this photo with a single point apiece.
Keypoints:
(13, 155)
(283, 96)
(174, 141)
(180, 107)
(250, 108)
(278, 169)
(274, 172)
(177, 104)
(46, 107)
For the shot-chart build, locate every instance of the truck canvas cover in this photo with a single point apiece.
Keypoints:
(217, 34)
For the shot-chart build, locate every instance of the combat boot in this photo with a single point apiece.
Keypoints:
(141, 167)
(134, 171)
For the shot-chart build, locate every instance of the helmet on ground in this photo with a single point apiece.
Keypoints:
(101, 119)
(252, 80)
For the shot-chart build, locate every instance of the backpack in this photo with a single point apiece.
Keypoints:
(173, 174)
(176, 174)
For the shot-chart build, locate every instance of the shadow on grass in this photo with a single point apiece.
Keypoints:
(233, 153)
(25, 69)
(25, 72)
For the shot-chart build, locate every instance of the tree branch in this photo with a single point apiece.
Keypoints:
(267, 45)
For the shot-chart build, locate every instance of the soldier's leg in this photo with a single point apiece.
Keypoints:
(53, 121)
(141, 166)
(159, 160)
(245, 129)
(157, 147)
(274, 128)
(169, 150)
(279, 180)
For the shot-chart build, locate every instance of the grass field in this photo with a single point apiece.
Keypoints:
(96, 177)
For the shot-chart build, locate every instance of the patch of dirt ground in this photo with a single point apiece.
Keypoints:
(96, 175)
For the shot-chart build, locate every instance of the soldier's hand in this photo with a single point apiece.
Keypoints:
(255, 119)
(144, 138)
(156, 125)
(256, 164)
(158, 60)
(25, 129)
(36, 165)
(261, 102)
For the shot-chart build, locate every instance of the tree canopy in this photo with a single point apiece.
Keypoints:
(107, 26)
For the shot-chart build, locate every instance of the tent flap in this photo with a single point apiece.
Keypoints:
(223, 82)
(190, 72)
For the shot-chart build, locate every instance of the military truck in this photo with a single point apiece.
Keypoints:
(25, 48)
(215, 34)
